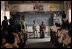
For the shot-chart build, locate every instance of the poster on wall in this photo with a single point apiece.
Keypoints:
(57, 7)
(52, 7)
(38, 7)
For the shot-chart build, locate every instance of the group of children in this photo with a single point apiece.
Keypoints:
(60, 33)
(13, 36)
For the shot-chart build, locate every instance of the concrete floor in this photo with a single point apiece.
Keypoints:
(31, 35)
(39, 43)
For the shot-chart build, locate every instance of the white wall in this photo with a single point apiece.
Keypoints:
(29, 7)
(21, 7)
(26, 7)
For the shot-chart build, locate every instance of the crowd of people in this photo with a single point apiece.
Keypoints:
(61, 32)
(13, 35)
(14, 32)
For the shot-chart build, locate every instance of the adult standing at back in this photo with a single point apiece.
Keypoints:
(5, 26)
(5, 23)
(35, 28)
(24, 25)
(42, 30)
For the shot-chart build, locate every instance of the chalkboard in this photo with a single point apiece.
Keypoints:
(39, 18)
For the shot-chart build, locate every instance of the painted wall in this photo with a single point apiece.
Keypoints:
(29, 7)
(21, 7)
